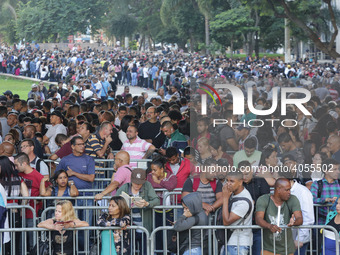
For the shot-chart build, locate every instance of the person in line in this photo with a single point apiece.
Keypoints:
(193, 215)
(139, 187)
(118, 216)
(333, 219)
(266, 216)
(64, 218)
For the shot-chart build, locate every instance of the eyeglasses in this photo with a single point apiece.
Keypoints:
(150, 112)
(80, 144)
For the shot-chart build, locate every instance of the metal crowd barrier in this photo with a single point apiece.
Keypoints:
(215, 248)
(88, 242)
(108, 164)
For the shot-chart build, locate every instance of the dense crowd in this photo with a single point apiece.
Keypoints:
(276, 170)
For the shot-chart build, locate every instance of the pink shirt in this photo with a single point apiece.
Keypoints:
(136, 150)
(123, 175)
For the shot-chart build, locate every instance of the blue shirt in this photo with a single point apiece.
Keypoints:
(154, 70)
(81, 164)
(106, 86)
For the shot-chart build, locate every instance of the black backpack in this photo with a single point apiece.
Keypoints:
(220, 233)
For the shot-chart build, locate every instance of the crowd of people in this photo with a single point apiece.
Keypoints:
(83, 120)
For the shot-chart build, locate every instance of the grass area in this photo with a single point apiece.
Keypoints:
(243, 56)
(17, 86)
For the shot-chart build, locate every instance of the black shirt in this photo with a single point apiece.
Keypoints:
(148, 130)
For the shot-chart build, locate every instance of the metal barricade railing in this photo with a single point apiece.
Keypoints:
(87, 243)
(218, 247)
(107, 168)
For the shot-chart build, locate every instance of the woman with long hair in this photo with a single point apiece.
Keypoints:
(268, 161)
(118, 215)
(60, 187)
(64, 218)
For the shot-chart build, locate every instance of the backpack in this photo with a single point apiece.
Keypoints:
(220, 233)
(196, 184)
(37, 164)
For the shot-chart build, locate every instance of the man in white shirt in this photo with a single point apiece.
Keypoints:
(240, 213)
(57, 128)
(87, 92)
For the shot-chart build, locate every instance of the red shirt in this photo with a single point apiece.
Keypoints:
(184, 171)
(65, 150)
(32, 181)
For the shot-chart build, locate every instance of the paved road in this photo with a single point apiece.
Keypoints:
(136, 91)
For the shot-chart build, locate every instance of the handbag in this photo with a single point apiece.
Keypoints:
(94, 247)
(42, 249)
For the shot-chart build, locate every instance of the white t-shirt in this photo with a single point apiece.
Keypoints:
(43, 166)
(52, 133)
(87, 93)
(243, 237)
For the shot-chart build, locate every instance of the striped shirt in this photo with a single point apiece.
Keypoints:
(329, 190)
(136, 150)
(93, 144)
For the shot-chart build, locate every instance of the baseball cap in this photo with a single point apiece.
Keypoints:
(138, 176)
(34, 86)
(57, 113)
(8, 92)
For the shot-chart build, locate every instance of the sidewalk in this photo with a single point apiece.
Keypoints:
(135, 91)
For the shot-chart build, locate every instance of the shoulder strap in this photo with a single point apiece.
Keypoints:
(243, 199)
(213, 185)
(129, 168)
(195, 184)
(37, 165)
(320, 187)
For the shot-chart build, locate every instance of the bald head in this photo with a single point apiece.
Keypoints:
(122, 156)
(282, 189)
(281, 182)
(7, 149)
(333, 143)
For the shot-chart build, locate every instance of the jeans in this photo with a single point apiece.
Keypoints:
(134, 79)
(235, 250)
(160, 238)
(256, 248)
(303, 249)
(85, 215)
(193, 251)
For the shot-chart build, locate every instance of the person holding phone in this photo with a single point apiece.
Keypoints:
(64, 218)
(61, 186)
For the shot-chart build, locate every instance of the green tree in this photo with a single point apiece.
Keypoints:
(301, 13)
(51, 21)
(230, 28)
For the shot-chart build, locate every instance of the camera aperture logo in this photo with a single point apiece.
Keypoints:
(238, 98)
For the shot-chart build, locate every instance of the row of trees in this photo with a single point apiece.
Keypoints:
(201, 24)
